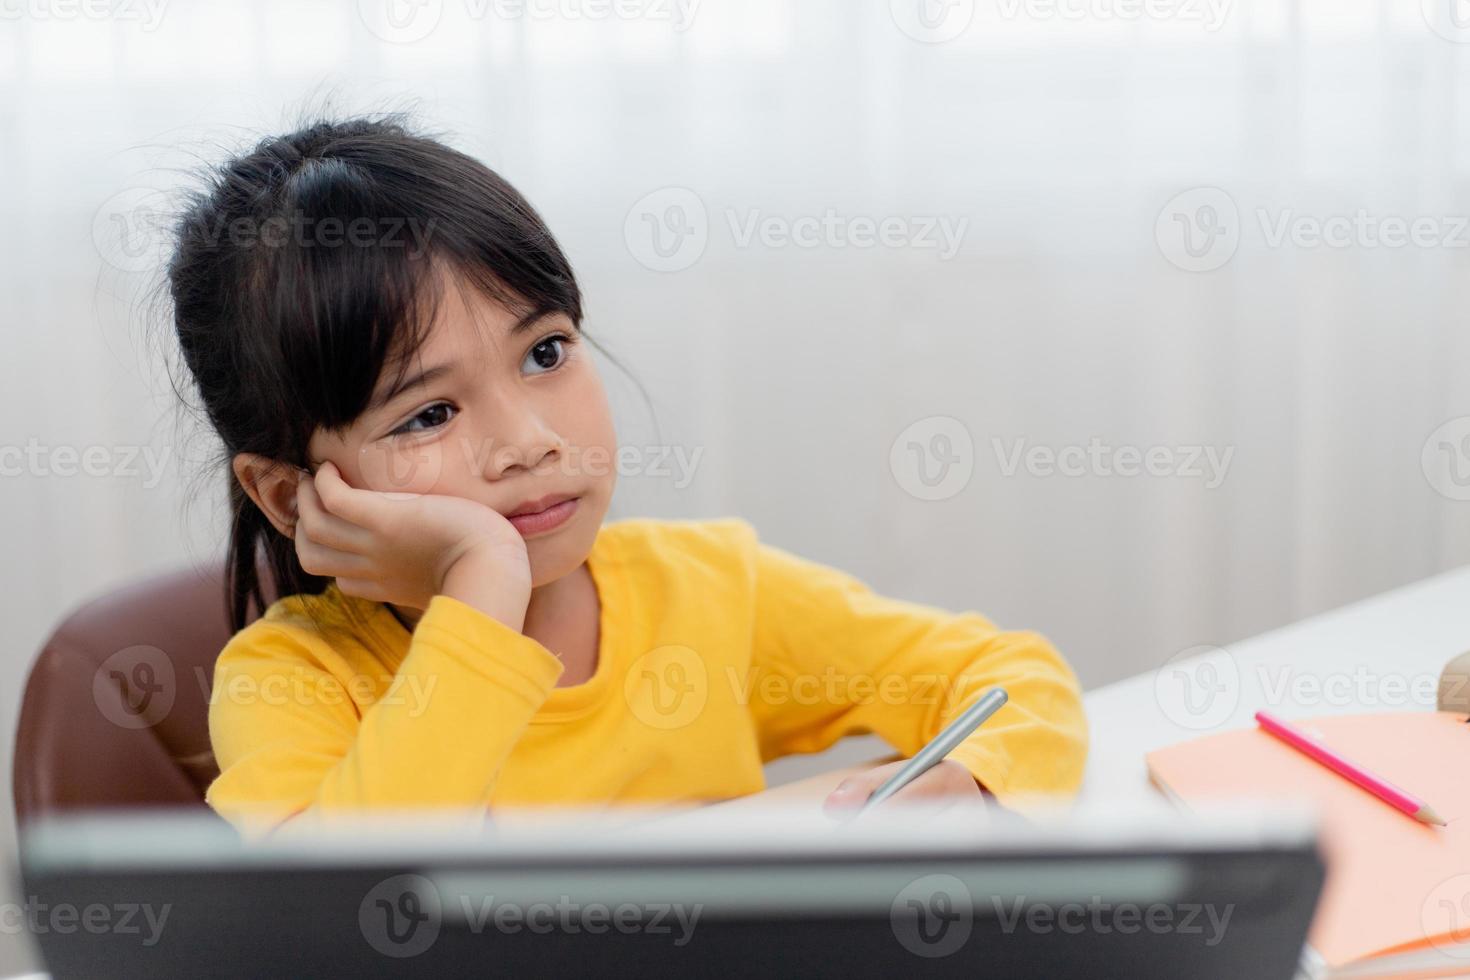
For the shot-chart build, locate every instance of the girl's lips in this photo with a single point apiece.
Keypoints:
(545, 520)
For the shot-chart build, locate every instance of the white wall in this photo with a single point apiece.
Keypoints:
(1070, 311)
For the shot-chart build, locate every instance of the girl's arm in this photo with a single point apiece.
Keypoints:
(832, 658)
(292, 743)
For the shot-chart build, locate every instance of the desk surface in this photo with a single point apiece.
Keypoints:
(1379, 655)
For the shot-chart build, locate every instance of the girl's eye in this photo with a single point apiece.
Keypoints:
(546, 355)
(430, 418)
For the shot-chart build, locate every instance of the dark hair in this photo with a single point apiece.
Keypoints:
(304, 267)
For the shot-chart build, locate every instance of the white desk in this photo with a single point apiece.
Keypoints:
(1382, 654)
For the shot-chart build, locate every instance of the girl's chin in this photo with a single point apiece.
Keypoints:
(553, 557)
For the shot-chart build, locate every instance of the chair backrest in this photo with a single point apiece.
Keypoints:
(115, 712)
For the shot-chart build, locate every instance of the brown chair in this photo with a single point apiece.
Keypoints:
(115, 712)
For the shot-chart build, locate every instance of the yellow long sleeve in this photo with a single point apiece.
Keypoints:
(716, 653)
(291, 740)
(832, 658)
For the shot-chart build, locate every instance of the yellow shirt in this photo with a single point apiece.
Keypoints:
(716, 654)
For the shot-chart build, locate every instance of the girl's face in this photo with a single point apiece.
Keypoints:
(493, 408)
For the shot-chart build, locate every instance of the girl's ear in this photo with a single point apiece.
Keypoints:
(272, 485)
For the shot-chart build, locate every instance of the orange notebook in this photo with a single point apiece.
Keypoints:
(1397, 891)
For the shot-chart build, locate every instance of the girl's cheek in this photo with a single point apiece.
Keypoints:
(591, 420)
(400, 466)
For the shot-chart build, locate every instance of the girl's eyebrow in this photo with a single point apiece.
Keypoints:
(528, 321)
(408, 381)
(524, 324)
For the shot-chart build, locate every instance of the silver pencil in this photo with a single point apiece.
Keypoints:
(940, 746)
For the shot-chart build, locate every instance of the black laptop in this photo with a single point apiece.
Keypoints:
(767, 894)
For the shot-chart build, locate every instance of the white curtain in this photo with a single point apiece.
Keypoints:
(1131, 202)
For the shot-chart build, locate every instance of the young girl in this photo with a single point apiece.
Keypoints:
(387, 339)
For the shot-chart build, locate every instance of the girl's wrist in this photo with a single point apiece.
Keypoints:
(487, 588)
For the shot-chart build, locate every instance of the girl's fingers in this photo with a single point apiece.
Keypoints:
(319, 559)
(337, 497)
(937, 782)
(325, 527)
(946, 782)
(366, 508)
(854, 791)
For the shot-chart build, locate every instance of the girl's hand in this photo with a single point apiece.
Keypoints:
(946, 785)
(407, 548)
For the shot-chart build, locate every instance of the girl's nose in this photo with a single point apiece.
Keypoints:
(522, 441)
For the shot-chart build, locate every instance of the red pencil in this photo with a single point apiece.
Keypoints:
(1381, 788)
